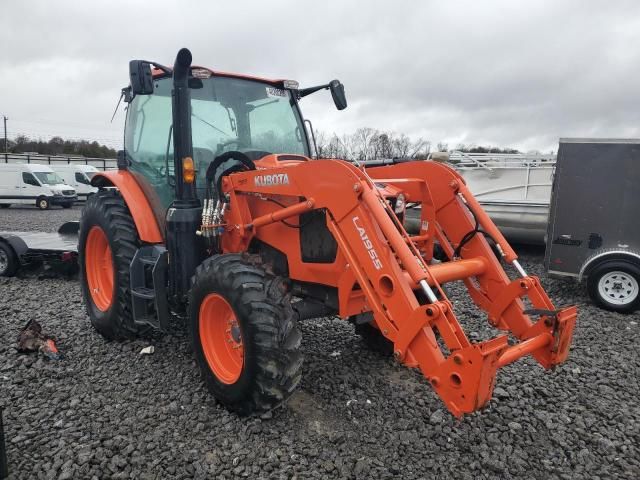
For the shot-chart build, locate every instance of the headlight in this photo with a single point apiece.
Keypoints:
(53, 192)
(400, 204)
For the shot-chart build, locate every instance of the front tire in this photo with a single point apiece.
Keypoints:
(108, 240)
(245, 338)
(615, 285)
(43, 203)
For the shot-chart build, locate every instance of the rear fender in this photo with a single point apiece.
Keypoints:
(137, 202)
(15, 242)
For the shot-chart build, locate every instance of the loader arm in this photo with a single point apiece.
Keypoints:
(389, 273)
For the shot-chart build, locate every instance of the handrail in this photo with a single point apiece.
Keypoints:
(498, 160)
(101, 163)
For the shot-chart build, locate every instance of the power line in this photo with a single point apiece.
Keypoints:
(6, 141)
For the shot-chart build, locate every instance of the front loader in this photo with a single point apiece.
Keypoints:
(218, 214)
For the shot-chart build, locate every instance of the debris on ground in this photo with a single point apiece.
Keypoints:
(31, 339)
(123, 421)
(147, 350)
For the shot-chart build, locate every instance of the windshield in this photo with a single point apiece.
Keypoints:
(48, 178)
(226, 114)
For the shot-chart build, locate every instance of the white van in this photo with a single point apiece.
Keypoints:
(33, 184)
(78, 177)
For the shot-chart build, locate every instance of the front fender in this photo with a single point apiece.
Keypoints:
(137, 202)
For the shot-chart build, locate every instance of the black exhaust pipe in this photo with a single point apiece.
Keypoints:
(184, 215)
(182, 142)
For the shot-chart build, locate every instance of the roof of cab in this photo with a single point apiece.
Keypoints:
(157, 73)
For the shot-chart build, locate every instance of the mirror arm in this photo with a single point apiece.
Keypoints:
(303, 92)
(159, 66)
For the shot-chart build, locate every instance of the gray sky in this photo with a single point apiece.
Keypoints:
(503, 73)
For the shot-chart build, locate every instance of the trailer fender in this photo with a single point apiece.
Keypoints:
(136, 201)
(15, 242)
(612, 254)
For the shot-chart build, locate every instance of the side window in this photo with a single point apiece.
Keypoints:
(29, 179)
(147, 141)
(148, 137)
(80, 178)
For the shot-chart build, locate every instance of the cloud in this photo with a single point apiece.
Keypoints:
(494, 72)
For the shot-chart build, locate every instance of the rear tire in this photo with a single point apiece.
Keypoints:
(67, 205)
(108, 240)
(615, 285)
(9, 263)
(245, 338)
(43, 203)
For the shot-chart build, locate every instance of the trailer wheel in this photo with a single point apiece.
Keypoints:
(9, 263)
(43, 203)
(245, 338)
(615, 285)
(107, 242)
(371, 336)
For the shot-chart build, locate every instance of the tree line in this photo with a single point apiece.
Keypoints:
(60, 146)
(362, 145)
(373, 144)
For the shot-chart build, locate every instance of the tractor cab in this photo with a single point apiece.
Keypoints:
(229, 113)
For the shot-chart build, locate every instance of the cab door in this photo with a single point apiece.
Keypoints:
(30, 188)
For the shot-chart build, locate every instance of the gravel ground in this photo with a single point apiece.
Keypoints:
(108, 412)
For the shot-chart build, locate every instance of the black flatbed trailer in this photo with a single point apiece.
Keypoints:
(18, 249)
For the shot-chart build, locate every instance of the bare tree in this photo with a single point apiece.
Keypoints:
(371, 144)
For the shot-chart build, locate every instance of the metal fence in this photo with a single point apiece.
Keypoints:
(100, 163)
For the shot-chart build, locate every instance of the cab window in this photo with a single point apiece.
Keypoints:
(29, 179)
(80, 178)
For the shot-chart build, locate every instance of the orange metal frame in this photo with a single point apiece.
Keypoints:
(136, 201)
(379, 268)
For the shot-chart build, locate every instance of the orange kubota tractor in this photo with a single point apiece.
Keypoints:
(218, 210)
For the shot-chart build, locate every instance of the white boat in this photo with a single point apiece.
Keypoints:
(514, 189)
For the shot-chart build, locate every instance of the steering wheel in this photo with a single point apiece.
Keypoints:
(222, 165)
(228, 142)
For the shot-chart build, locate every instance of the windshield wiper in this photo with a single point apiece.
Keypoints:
(212, 126)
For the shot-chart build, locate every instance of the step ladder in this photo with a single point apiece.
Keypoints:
(148, 274)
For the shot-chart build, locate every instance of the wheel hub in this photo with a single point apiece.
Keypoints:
(618, 288)
(235, 333)
(99, 268)
(221, 338)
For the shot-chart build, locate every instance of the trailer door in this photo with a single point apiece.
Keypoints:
(594, 202)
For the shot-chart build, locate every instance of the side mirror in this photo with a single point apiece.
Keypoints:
(337, 92)
(140, 77)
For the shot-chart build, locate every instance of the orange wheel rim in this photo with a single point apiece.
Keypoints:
(99, 268)
(221, 338)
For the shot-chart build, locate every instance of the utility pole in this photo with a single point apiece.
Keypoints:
(6, 144)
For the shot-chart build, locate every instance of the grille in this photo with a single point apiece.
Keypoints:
(68, 192)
